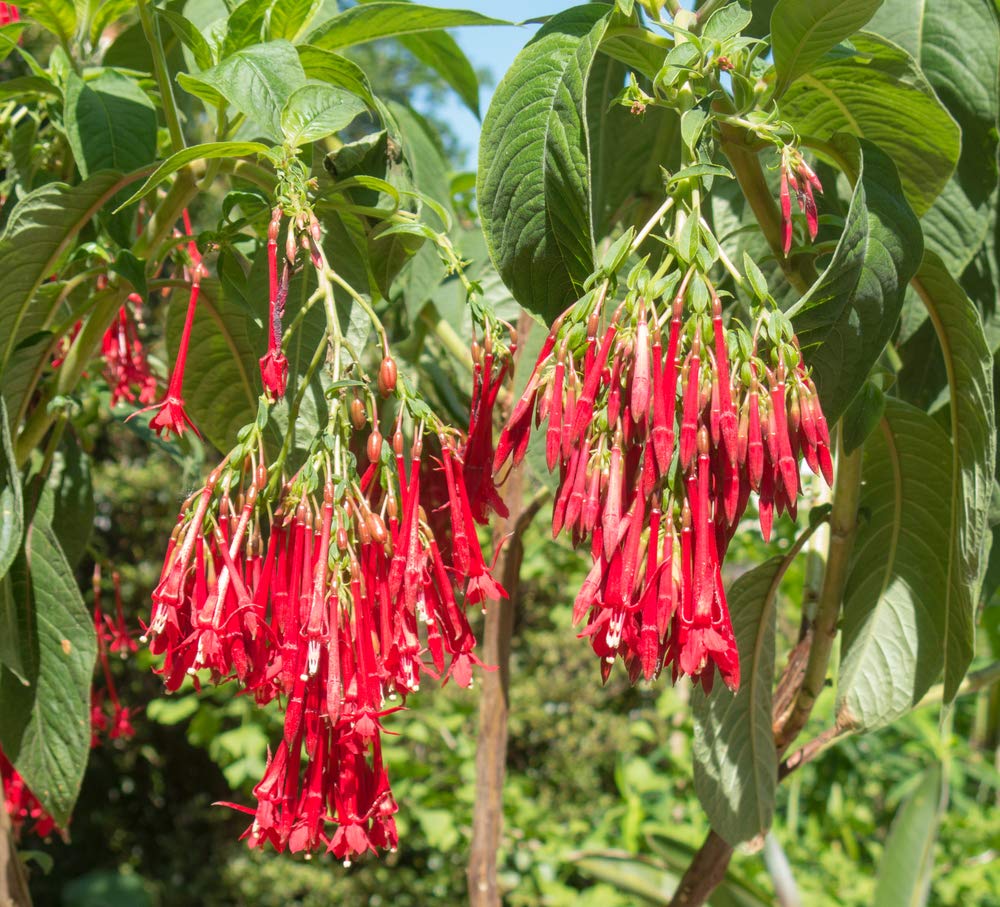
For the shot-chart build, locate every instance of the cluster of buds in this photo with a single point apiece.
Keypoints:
(126, 366)
(107, 714)
(658, 452)
(22, 805)
(323, 590)
(797, 177)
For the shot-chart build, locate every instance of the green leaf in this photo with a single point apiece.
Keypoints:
(11, 501)
(67, 502)
(290, 17)
(315, 111)
(879, 93)
(969, 366)
(801, 33)
(735, 762)
(846, 317)
(534, 164)
(45, 726)
(110, 123)
(17, 651)
(245, 26)
(39, 232)
(440, 51)
(371, 21)
(133, 269)
(189, 35)
(24, 87)
(9, 35)
(205, 152)
(58, 16)
(899, 590)
(863, 416)
(962, 70)
(257, 81)
(904, 874)
(726, 22)
(329, 67)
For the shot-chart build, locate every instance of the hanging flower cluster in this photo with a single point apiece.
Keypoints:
(126, 366)
(797, 177)
(335, 588)
(661, 420)
(107, 714)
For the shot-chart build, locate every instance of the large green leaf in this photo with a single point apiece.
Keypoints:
(11, 501)
(969, 367)
(735, 761)
(313, 112)
(440, 51)
(205, 152)
(956, 44)
(371, 21)
(846, 317)
(45, 725)
(110, 123)
(39, 232)
(290, 17)
(801, 33)
(257, 81)
(58, 16)
(904, 873)
(67, 502)
(899, 590)
(879, 93)
(334, 69)
(534, 164)
(17, 652)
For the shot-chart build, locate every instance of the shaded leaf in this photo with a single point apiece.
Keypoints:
(801, 33)
(898, 591)
(879, 93)
(904, 874)
(969, 366)
(846, 317)
(11, 501)
(45, 726)
(735, 761)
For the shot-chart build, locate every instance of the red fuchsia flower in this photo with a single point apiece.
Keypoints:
(476, 454)
(22, 805)
(665, 452)
(171, 416)
(112, 635)
(798, 177)
(126, 367)
(273, 364)
(8, 13)
(335, 601)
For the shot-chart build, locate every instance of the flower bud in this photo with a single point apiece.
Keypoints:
(387, 376)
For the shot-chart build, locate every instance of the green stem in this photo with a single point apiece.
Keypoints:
(843, 528)
(152, 33)
(750, 175)
(445, 333)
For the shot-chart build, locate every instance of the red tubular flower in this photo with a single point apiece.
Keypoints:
(22, 805)
(171, 416)
(273, 364)
(8, 13)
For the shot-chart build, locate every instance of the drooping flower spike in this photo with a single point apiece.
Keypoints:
(668, 436)
(797, 177)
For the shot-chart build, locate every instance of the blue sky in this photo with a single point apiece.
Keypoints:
(493, 48)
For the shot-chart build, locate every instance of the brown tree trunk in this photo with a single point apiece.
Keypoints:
(491, 749)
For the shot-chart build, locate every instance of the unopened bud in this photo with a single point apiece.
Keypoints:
(387, 376)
